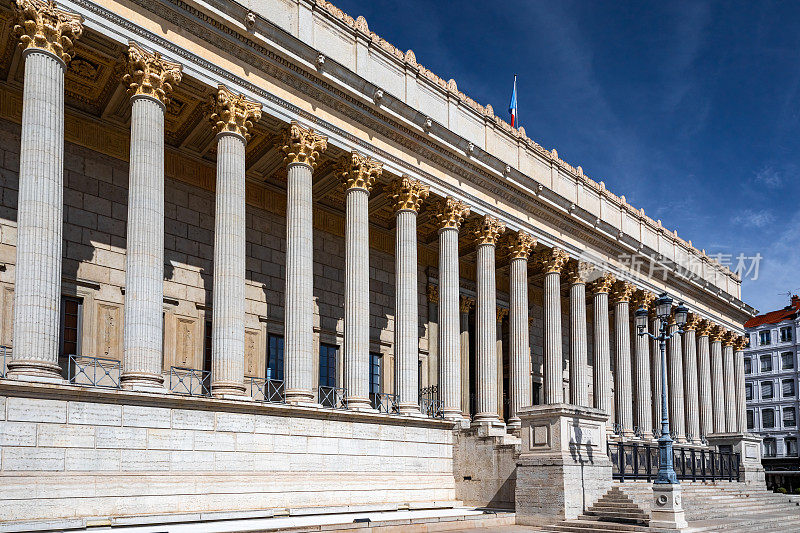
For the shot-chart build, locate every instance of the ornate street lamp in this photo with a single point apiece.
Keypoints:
(666, 471)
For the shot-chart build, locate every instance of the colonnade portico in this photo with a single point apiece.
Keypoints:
(707, 354)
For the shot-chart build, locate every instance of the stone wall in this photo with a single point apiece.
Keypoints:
(120, 453)
(485, 469)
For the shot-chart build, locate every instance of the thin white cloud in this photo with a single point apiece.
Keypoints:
(769, 177)
(753, 218)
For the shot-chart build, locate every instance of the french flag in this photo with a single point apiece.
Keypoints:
(512, 105)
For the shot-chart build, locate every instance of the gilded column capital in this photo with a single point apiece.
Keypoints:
(553, 260)
(407, 194)
(729, 338)
(450, 213)
(42, 25)
(502, 312)
(358, 171)
(603, 284)
(643, 298)
(149, 74)
(622, 292)
(578, 272)
(465, 303)
(433, 293)
(704, 328)
(692, 322)
(740, 344)
(716, 333)
(302, 145)
(234, 113)
(487, 230)
(520, 245)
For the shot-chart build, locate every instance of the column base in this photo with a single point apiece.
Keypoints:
(409, 409)
(141, 381)
(36, 371)
(489, 427)
(452, 414)
(300, 397)
(563, 467)
(360, 404)
(667, 512)
(229, 390)
(514, 423)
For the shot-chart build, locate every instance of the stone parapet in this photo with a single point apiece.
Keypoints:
(748, 446)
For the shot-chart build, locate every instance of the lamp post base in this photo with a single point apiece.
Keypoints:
(667, 514)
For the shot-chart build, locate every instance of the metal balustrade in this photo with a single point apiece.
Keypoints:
(332, 397)
(5, 358)
(640, 461)
(384, 402)
(431, 407)
(266, 390)
(189, 381)
(93, 371)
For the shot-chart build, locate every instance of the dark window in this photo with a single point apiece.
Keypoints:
(786, 334)
(768, 418)
(787, 360)
(789, 419)
(764, 338)
(791, 446)
(537, 392)
(327, 365)
(748, 365)
(766, 390)
(207, 347)
(375, 365)
(766, 363)
(750, 422)
(70, 326)
(275, 357)
(770, 448)
(788, 388)
(748, 391)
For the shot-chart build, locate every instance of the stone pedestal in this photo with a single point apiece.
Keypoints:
(667, 513)
(563, 467)
(748, 446)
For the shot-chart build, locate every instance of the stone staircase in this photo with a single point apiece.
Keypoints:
(614, 512)
(726, 506)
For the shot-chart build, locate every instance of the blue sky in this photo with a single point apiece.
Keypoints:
(691, 110)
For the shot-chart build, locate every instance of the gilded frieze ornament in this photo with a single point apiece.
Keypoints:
(450, 213)
(433, 293)
(42, 25)
(302, 145)
(578, 272)
(465, 303)
(520, 245)
(234, 113)
(358, 171)
(487, 230)
(603, 284)
(553, 260)
(622, 292)
(407, 194)
(502, 312)
(149, 74)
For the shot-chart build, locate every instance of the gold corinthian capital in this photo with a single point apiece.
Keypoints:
(644, 299)
(603, 284)
(487, 230)
(358, 171)
(692, 322)
(407, 194)
(450, 213)
(302, 145)
(520, 245)
(578, 272)
(149, 74)
(42, 25)
(234, 113)
(622, 292)
(553, 260)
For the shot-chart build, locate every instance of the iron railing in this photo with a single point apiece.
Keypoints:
(93, 371)
(384, 402)
(189, 381)
(5, 358)
(640, 461)
(333, 397)
(266, 390)
(431, 408)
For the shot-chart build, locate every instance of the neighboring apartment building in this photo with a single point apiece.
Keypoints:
(771, 369)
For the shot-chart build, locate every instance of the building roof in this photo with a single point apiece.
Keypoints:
(774, 317)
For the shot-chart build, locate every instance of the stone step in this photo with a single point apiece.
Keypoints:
(624, 518)
(583, 526)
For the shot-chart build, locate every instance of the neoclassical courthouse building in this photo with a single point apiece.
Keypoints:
(254, 257)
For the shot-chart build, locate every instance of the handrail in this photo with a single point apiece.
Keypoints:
(266, 390)
(332, 397)
(384, 402)
(94, 371)
(189, 381)
(640, 461)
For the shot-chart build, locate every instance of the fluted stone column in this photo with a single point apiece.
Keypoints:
(465, 304)
(577, 275)
(642, 385)
(301, 147)
(690, 384)
(449, 215)
(486, 232)
(553, 262)
(704, 387)
(149, 80)
(358, 174)
(47, 35)
(502, 313)
(717, 380)
(233, 119)
(407, 196)
(677, 404)
(729, 372)
(623, 391)
(602, 345)
(741, 400)
(520, 247)
(655, 368)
